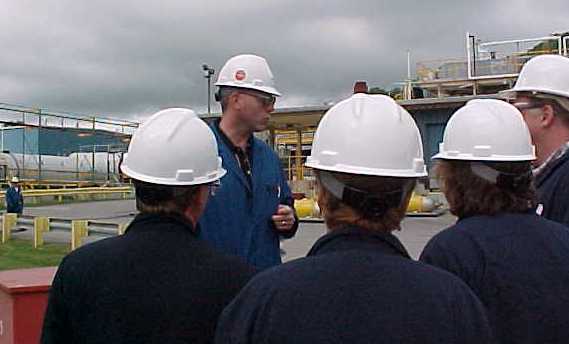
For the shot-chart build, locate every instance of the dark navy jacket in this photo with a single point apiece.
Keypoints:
(354, 287)
(518, 265)
(14, 200)
(155, 284)
(237, 219)
(553, 189)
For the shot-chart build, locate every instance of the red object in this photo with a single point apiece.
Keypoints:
(23, 299)
(240, 75)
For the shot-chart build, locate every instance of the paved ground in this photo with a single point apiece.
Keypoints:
(415, 232)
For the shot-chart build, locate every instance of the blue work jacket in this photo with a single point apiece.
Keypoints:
(237, 219)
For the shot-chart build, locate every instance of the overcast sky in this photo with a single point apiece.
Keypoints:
(130, 58)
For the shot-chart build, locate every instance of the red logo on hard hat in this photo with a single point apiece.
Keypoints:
(240, 75)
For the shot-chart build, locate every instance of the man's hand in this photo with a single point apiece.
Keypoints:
(284, 218)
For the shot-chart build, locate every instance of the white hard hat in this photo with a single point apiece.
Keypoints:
(15, 179)
(486, 130)
(547, 74)
(173, 147)
(368, 135)
(248, 71)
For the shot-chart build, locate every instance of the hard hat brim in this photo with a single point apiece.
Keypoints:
(512, 92)
(172, 181)
(495, 158)
(265, 89)
(368, 171)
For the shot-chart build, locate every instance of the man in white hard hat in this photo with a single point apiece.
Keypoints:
(157, 283)
(14, 197)
(515, 261)
(541, 93)
(253, 208)
(358, 283)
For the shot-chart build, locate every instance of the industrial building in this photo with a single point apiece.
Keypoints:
(42, 147)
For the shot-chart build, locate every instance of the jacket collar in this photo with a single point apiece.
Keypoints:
(355, 238)
(228, 142)
(146, 222)
(549, 167)
(227, 151)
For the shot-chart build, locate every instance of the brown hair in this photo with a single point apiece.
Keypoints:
(469, 194)
(339, 214)
(163, 199)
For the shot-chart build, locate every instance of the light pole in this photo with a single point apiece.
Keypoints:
(207, 73)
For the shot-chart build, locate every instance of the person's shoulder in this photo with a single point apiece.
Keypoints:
(451, 234)
(562, 169)
(464, 236)
(261, 144)
(434, 280)
(89, 257)
(286, 277)
(559, 171)
(553, 226)
(229, 263)
(432, 274)
(95, 251)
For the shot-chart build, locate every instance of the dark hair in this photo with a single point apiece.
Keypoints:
(391, 194)
(163, 199)
(469, 194)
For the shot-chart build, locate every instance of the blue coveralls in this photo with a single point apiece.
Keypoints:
(237, 219)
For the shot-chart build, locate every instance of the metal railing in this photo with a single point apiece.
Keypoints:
(79, 229)
(292, 169)
(504, 59)
(82, 194)
(74, 191)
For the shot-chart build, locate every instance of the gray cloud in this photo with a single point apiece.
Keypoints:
(130, 58)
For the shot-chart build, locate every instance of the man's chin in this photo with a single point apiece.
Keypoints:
(261, 127)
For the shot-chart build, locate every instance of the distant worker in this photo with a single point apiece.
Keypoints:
(253, 208)
(157, 283)
(358, 284)
(541, 93)
(14, 197)
(515, 261)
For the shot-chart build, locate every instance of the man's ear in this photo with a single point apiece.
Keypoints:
(236, 100)
(547, 118)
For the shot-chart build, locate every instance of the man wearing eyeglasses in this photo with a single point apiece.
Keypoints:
(253, 207)
(541, 93)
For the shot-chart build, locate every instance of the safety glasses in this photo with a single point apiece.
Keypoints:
(265, 98)
(525, 104)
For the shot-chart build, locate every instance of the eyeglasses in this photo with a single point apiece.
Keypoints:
(525, 104)
(264, 98)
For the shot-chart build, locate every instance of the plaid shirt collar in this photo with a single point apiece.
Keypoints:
(558, 154)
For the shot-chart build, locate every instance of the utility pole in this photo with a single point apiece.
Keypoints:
(208, 73)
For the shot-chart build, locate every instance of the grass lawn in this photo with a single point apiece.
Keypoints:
(20, 254)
